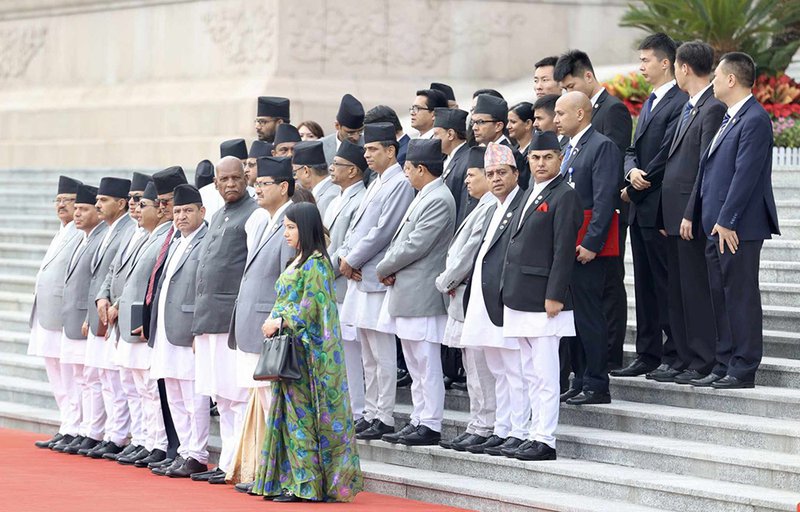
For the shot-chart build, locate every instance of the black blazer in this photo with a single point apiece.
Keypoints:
(611, 118)
(454, 177)
(651, 143)
(541, 251)
(492, 265)
(522, 165)
(683, 160)
(595, 172)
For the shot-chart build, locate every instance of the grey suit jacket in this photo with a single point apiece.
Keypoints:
(76, 300)
(136, 278)
(340, 225)
(374, 225)
(257, 294)
(114, 282)
(461, 257)
(179, 309)
(326, 193)
(101, 263)
(47, 304)
(419, 251)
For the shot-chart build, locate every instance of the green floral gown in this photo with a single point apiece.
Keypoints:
(309, 447)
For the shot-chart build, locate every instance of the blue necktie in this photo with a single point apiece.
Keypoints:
(687, 109)
(567, 155)
(647, 107)
(725, 120)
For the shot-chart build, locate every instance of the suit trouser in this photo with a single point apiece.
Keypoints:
(565, 362)
(72, 414)
(615, 300)
(379, 355)
(589, 348)
(231, 421)
(191, 415)
(480, 387)
(736, 299)
(135, 406)
(424, 362)
(650, 286)
(690, 304)
(57, 379)
(154, 431)
(118, 417)
(355, 376)
(541, 372)
(172, 436)
(94, 411)
(513, 414)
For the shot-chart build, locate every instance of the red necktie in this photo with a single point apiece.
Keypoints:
(162, 255)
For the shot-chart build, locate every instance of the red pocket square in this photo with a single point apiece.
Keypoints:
(542, 207)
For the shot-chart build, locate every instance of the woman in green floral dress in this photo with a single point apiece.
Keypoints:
(309, 450)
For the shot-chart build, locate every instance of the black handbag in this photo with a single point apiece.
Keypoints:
(278, 360)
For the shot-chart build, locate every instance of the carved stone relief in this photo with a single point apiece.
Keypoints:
(18, 47)
(244, 32)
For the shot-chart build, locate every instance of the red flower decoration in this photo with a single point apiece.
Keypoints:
(542, 207)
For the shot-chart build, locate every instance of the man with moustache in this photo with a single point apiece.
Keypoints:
(112, 206)
(46, 323)
(172, 343)
(453, 282)
(371, 231)
(450, 127)
(133, 353)
(349, 125)
(544, 113)
(272, 111)
(84, 430)
(347, 173)
(212, 200)
(223, 256)
(286, 138)
(311, 172)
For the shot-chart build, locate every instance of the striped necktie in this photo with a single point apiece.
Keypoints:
(162, 254)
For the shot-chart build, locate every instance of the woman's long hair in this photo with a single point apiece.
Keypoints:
(310, 229)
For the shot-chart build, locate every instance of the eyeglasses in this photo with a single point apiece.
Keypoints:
(339, 164)
(61, 200)
(135, 198)
(416, 108)
(261, 121)
(481, 122)
(164, 202)
(263, 185)
(142, 204)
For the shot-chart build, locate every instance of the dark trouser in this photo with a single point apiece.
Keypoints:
(690, 310)
(589, 349)
(564, 361)
(650, 285)
(172, 435)
(615, 300)
(736, 299)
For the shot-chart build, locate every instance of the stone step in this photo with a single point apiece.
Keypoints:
(772, 293)
(20, 251)
(17, 284)
(474, 494)
(790, 228)
(22, 365)
(634, 485)
(15, 321)
(26, 236)
(35, 393)
(13, 342)
(770, 271)
(785, 177)
(657, 453)
(18, 221)
(19, 267)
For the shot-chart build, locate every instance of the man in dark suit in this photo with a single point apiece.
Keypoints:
(610, 117)
(489, 118)
(537, 309)
(450, 126)
(689, 297)
(645, 157)
(733, 200)
(543, 82)
(544, 113)
(591, 165)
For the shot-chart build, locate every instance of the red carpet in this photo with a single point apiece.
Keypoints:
(36, 480)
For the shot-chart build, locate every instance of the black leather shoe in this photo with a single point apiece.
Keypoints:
(403, 378)
(423, 436)
(375, 431)
(687, 376)
(129, 450)
(509, 449)
(361, 425)
(65, 441)
(176, 463)
(706, 381)
(131, 459)
(50, 442)
(511, 443)
(156, 457)
(286, 497)
(244, 487)
(667, 375)
(448, 382)
(536, 451)
(218, 479)
(448, 443)
(189, 467)
(85, 447)
(492, 442)
(571, 392)
(661, 368)
(590, 397)
(636, 368)
(109, 447)
(471, 440)
(394, 437)
(731, 382)
(205, 475)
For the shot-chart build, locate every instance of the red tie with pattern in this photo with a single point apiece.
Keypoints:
(162, 255)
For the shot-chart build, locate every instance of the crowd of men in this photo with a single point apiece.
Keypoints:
(496, 235)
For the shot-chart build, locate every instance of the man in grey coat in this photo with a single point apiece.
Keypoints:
(46, 324)
(349, 126)
(82, 432)
(413, 308)
(347, 172)
(311, 172)
(371, 231)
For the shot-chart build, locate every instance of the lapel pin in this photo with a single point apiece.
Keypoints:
(226, 219)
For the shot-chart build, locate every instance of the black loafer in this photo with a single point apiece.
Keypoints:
(492, 442)
(448, 443)
(361, 425)
(511, 443)
(189, 467)
(50, 442)
(129, 460)
(536, 451)
(686, 376)
(128, 450)
(423, 436)
(394, 437)
(636, 368)
(156, 457)
(218, 479)
(667, 374)
(85, 447)
(590, 398)
(65, 442)
(375, 431)
(731, 382)
(570, 393)
(471, 440)
(162, 469)
(706, 381)
(205, 475)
